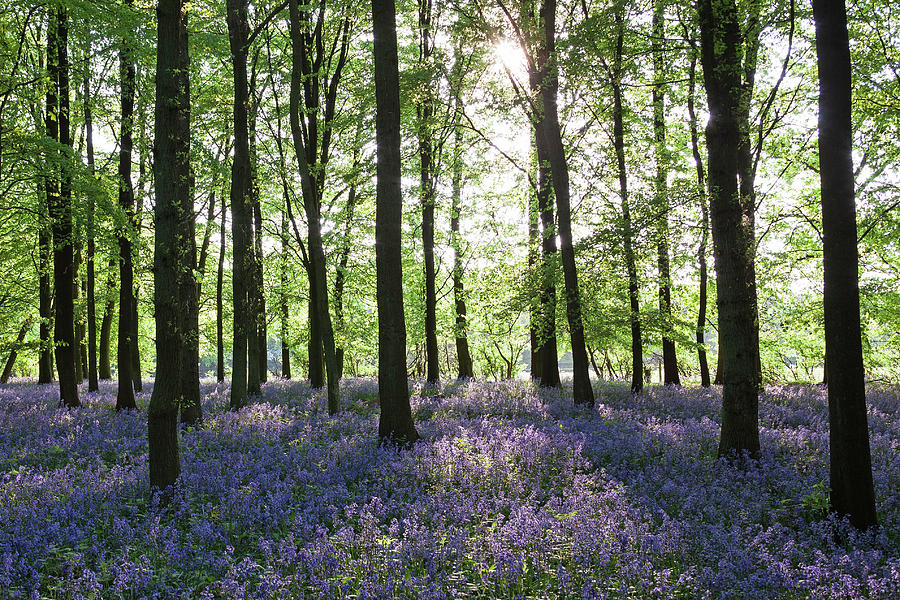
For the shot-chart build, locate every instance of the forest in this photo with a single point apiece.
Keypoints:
(467, 298)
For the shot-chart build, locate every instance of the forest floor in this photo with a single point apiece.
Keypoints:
(511, 493)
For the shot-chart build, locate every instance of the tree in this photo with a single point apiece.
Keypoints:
(661, 200)
(395, 425)
(852, 492)
(59, 199)
(241, 185)
(734, 244)
(127, 319)
(171, 259)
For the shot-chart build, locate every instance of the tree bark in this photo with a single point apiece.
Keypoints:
(463, 356)
(637, 345)
(220, 276)
(93, 384)
(238, 32)
(109, 307)
(427, 177)
(721, 44)
(59, 200)
(172, 257)
(395, 425)
(852, 493)
(45, 293)
(312, 205)
(581, 382)
(704, 226)
(253, 262)
(670, 359)
(285, 309)
(125, 353)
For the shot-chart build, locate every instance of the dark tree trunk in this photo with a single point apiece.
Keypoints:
(253, 263)
(670, 360)
(395, 425)
(312, 201)
(704, 226)
(263, 336)
(341, 277)
(242, 232)
(172, 258)
(637, 346)
(556, 153)
(721, 44)
(125, 354)
(45, 295)
(135, 326)
(852, 493)
(463, 357)
(314, 348)
(59, 200)
(14, 351)
(427, 177)
(109, 307)
(93, 384)
(534, 262)
(189, 298)
(220, 276)
(285, 309)
(548, 349)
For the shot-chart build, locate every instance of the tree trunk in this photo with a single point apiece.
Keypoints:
(253, 264)
(220, 276)
(14, 351)
(238, 32)
(463, 357)
(285, 309)
(125, 354)
(733, 242)
(637, 345)
(135, 326)
(311, 205)
(395, 425)
(556, 153)
(109, 307)
(45, 293)
(704, 225)
(60, 209)
(852, 493)
(427, 177)
(670, 360)
(341, 277)
(263, 336)
(93, 384)
(171, 169)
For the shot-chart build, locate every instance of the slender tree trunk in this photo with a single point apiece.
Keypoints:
(93, 384)
(220, 276)
(704, 226)
(852, 493)
(534, 262)
(463, 356)
(670, 360)
(45, 294)
(171, 260)
(311, 206)
(395, 425)
(581, 381)
(125, 354)
(721, 44)
(135, 327)
(637, 346)
(427, 176)
(238, 32)
(109, 308)
(285, 312)
(263, 345)
(60, 209)
(253, 264)
(341, 277)
(14, 350)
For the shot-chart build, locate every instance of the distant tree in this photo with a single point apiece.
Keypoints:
(395, 425)
(171, 259)
(852, 493)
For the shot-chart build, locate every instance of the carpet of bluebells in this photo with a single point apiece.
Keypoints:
(513, 493)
